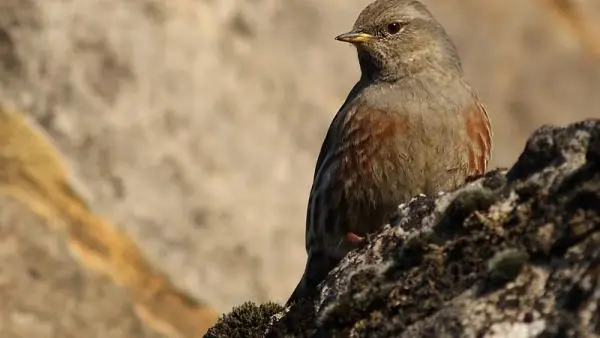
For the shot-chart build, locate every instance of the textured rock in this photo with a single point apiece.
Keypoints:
(512, 254)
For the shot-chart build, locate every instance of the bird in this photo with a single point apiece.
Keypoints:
(411, 125)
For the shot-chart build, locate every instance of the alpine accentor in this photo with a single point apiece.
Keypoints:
(411, 125)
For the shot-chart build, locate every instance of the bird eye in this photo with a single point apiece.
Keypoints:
(394, 27)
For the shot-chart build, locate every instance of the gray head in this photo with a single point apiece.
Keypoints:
(397, 38)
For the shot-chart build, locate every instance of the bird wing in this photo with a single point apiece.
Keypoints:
(325, 156)
(480, 134)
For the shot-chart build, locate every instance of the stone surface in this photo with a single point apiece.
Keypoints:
(513, 254)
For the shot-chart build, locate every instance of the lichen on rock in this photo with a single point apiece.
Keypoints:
(513, 253)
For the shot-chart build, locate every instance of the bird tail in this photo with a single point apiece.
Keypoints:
(299, 292)
(317, 267)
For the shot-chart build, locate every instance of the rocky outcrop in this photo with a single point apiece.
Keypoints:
(515, 253)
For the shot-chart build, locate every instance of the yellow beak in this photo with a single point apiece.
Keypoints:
(354, 37)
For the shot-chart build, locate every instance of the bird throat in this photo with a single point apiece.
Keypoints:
(374, 68)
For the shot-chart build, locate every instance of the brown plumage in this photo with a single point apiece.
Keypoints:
(411, 125)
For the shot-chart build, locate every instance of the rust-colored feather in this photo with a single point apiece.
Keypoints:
(480, 134)
(362, 141)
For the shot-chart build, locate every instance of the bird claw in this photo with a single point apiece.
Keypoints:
(354, 238)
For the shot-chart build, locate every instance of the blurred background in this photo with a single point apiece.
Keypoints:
(194, 125)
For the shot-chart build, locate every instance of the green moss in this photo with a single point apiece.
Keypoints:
(247, 320)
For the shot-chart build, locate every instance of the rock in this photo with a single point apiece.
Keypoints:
(514, 253)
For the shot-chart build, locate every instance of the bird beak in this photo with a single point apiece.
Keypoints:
(354, 37)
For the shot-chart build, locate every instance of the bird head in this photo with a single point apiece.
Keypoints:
(394, 37)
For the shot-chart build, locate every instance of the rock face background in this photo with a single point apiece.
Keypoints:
(193, 125)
